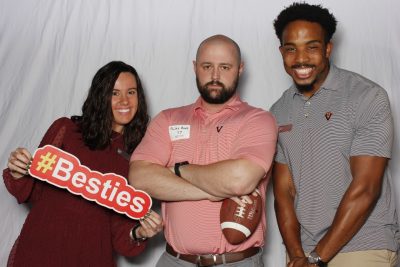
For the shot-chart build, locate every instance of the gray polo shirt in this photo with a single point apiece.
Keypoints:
(348, 116)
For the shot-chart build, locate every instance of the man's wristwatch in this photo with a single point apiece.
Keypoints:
(314, 258)
(177, 165)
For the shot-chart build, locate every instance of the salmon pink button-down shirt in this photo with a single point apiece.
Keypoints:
(189, 133)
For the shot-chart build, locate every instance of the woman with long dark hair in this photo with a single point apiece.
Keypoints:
(63, 229)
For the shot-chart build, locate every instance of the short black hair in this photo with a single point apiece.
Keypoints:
(307, 12)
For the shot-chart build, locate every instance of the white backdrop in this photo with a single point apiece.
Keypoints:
(50, 51)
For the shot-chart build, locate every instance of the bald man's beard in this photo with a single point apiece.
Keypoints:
(217, 96)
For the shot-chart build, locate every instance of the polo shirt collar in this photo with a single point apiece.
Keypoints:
(330, 82)
(233, 104)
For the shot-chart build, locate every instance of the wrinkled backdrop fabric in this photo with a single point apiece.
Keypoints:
(50, 51)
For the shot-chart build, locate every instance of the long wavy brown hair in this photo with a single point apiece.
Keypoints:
(97, 118)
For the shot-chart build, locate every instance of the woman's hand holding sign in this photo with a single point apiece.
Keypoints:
(150, 225)
(19, 162)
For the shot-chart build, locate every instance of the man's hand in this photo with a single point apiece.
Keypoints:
(243, 200)
(299, 262)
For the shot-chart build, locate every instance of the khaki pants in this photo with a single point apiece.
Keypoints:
(366, 258)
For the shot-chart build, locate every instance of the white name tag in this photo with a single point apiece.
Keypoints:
(178, 132)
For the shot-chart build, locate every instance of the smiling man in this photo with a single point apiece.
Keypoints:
(333, 197)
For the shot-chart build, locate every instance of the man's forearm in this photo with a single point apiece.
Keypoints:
(226, 178)
(290, 231)
(356, 205)
(350, 217)
(159, 182)
(289, 226)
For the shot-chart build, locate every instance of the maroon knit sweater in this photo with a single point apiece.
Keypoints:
(63, 229)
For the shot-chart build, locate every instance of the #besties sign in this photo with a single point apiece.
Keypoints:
(110, 190)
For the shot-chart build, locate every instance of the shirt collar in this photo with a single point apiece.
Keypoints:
(330, 82)
(233, 104)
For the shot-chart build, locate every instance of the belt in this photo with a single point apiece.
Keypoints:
(214, 259)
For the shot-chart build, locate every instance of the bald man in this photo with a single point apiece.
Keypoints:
(194, 156)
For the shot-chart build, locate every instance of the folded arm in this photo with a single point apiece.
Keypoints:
(162, 184)
(227, 178)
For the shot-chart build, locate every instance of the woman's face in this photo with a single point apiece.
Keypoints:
(124, 101)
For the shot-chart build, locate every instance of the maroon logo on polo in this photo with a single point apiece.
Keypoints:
(328, 115)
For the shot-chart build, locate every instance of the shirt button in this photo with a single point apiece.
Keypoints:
(308, 103)
(306, 115)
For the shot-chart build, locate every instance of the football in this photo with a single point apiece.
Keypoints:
(238, 223)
